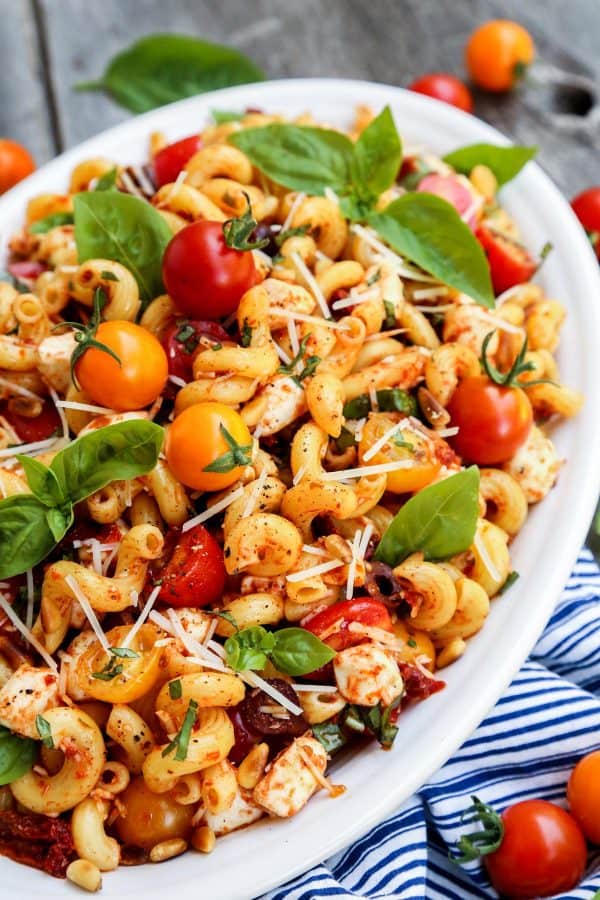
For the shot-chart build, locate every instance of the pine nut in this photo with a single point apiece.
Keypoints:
(251, 768)
(203, 839)
(168, 849)
(450, 653)
(85, 875)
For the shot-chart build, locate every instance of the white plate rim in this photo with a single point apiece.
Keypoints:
(325, 827)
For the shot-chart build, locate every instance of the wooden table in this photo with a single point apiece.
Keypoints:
(48, 45)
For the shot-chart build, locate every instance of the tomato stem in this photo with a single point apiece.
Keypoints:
(237, 455)
(483, 842)
(85, 335)
(519, 366)
(237, 231)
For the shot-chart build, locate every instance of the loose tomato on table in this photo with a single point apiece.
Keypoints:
(510, 262)
(207, 446)
(33, 429)
(363, 610)
(169, 161)
(586, 207)
(444, 87)
(207, 266)
(194, 575)
(583, 794)
(407, 445)
(15, 164)
(498, 54)
(181, 340)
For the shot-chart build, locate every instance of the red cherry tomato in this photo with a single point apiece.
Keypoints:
(204, 277)
(543, 852)
(364, 610)
(181, 339)
(493, 420)
(169, 161)
(586, 207)
(37, 429)
(444, 87)
(510, 262)
(195, 573)
(583, 794)
(26, 270)
(449, 188)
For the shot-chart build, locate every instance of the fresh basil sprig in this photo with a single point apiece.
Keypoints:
(17, 755)
(31, 524)
(505, 162)
(439, 520)
(294, 651)
(42, 226)
(388, 400)
(428, 231)
(112, 225)
(161, 68)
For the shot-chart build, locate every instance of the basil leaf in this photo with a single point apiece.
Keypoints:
(42, 480)
(175, 689)
(377, 157)
(505, 162)
(59, 521)
(299, 157)
(439, 520)
(108, 181)
(221, 116)
(17, 755)
(298, 651)
(428, 230)
(162, 68)
(248, 648)
(112, 225)
(388, 400)
(45, 732)
(25, 538)
(330, 735)
(42, 226)
(122, 451)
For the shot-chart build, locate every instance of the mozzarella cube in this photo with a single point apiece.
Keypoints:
(29, 692)
(367, 675)
(290, 782)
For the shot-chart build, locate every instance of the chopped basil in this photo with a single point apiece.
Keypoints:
(246, 336)
(180, 742)
(175, 690)
(388, 400)
(44, 731)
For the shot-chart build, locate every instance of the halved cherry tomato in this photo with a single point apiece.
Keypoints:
(586, 207)
(130, 677)
(510, 262)
(583, 794)
(542, 853)
(181, 339)
(137, 381)
(493, 420)
(363, 610)
(444, 87)
(37, 429)
(207, 446)
(169, 161)
(204, 277)
(417, 451)
(15, 164)
(195, 573)
(449, 188)
(149, 818)
(498, 54)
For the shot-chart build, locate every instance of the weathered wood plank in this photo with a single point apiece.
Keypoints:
(382, 40)
(24, 113)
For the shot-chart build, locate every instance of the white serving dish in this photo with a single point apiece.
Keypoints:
(254, 860)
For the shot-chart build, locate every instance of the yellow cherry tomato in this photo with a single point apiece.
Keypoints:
(498, 53)
(207, 446)
(137, 381)
(125, 674)
(405, 444)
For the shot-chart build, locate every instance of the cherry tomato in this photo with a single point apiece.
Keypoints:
(37, 429)
(195, 573)
(26, 269)
(583, 794)
(405, 444)
(493, 420)
(444, 87)
(363, 610)
(137, 381)
(498, 53)
(15, 164)
(586, 207)
(130, 677)
(204, 277)
(449, 188)
(510, 262)
(181, 339)
(151, 818)
(542, 853)
(169, 161)
(208, 434)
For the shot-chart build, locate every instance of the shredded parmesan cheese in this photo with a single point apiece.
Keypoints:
(364, 541)
(28, 448)
(30, 599)
(290, 216)
(293, 335)
(334, 790)
(311, 283)
(255, 493)
(130, 185)
(304, 317)
(352, 567)
(314, 688)
(27, 634)
(430, 293)
(373, 398)
(485, 557)
(86, 607)
(142, 616)
(395, 259)
(212, 510)
(208, 659)
(315, 570)
(448, 432)
(84, 407)
(285, 359)
(381, 442)
(176, 380)
(299, 475)
(255, 680)
(316, 551)
(368, 470)
(17, 389)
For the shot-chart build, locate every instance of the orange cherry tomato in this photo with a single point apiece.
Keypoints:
(207, 446)
(15, 164)
(444, 87)
(498, 53)
(121, 678)
(150, 818)
(583, 794)
(140, 378)
(418, 452)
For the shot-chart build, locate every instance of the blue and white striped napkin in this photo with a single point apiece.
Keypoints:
(547, 719)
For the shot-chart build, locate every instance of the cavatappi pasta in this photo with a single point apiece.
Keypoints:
(114, 666)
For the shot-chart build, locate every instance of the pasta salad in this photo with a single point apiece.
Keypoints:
(272, 410)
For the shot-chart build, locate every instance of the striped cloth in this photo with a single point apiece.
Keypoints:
(547, 719)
